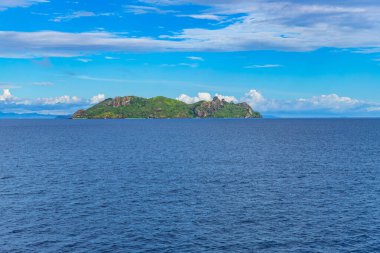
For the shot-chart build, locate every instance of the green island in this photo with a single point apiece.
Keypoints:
(163, 107)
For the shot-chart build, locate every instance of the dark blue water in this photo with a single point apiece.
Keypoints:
(190, 186)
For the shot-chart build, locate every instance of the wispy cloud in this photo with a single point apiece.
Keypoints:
(142, 9)
(8, 86)
(265, 66)
(287, 25)
(84, 60)
(182, 64)
(79, 14)
(255, 25)
(195, 58)
(61, 44)
(111, 58)
(202, 16)
(5, 4)
(100, 79)
(45, 84)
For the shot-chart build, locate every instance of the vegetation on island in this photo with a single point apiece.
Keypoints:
(162, 107)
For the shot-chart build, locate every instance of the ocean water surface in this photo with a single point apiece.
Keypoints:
(190, 185)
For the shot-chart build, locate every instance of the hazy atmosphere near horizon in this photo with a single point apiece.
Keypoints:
(284, 58)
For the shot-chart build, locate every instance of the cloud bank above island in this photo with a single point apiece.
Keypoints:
(330, 105)
(316, 106)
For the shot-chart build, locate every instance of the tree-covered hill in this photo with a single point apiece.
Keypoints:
(162, 107)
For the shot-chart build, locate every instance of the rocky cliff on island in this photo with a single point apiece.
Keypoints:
(162, 107)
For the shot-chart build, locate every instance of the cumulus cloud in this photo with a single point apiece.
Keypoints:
(331, 101)
(54, 105)
(59, 100)
(253, 98)
(323, 105)
(97, 99)
(229, 99)
(6, 95)
(202, 96)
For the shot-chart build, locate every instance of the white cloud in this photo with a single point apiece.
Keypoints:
(111, 58)
(84, 60)
(6, 95)
(373, 109)
(54, 105)
(202, 96)
(228, 99)
(265, 66)
(323, 104)
(61, 44)
(97, 99)
(260, 25)
(5, 4)
(203, 16)
(253, 98)
(331, 101)
(59, 100)
(190, 65)
(142, 9)
(74, 15)
(269, 29)
(291, 25)
(195, 58)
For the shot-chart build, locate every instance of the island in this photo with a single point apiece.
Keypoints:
(163, 108)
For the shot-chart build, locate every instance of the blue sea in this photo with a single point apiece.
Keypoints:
(297, 185)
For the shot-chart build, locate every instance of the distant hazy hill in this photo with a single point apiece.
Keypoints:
(29, 116)
(162, 107)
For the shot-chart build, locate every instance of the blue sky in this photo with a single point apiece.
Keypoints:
(285, 58)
